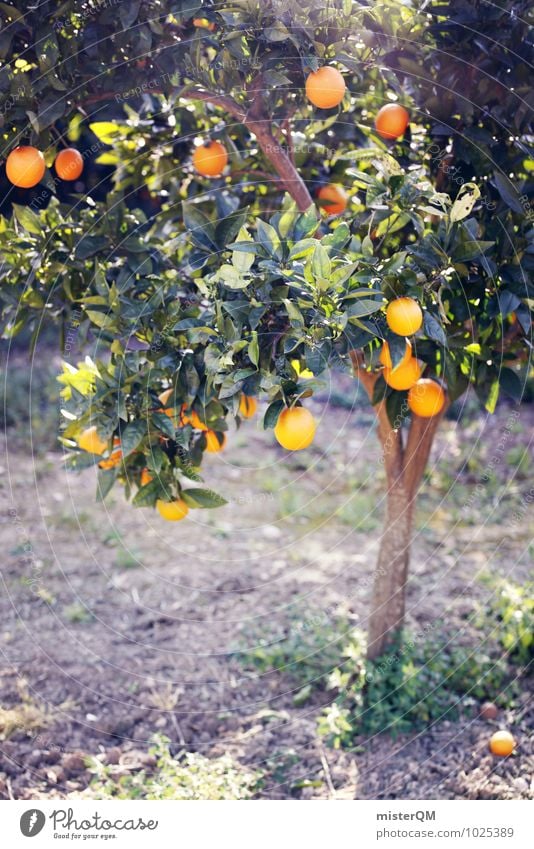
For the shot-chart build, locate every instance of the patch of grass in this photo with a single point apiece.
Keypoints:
(25, 717)
(360, 511)
(306, 652)
(125, 559)
(189, 776)
(77, 613)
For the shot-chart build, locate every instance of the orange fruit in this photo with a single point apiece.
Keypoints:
(325, 88)
(404, 316)
(172, 511)
(214, 441)
(163, 397)
(114, 458)
(247, 406)
(404, 376)
(333, 199)
(210, 159)
(194, 419)
(391, 121)
(203, 23)
(385, 356)
(502, 744)
(69, 164)
(146, 477)
(295, 428)
(89, 440)
(25, 167)
(426, 398)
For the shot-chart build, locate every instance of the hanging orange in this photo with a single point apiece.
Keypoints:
(214, 441)
(391, 121)
(210, 159)
(172, 511)
(385, 356)
(426, 398)
(295, 428)
(69, 164)
(25, 167)
(404, 376)
(333, 199)
(325, 88)
(247, 406)
(404, 316)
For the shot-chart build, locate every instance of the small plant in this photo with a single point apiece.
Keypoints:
(189, 776)
(510, 613)
(420, 681)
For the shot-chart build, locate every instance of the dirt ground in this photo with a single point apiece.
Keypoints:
(116, 625)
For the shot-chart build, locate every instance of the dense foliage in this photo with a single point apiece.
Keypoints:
(217, 287)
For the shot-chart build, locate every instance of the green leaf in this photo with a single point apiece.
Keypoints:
(253, 349)
(321, 264)
(105, 480)
(493, 396)
(28, 219)
(433, 329)
(89, 246)
(272, 413)
(295, 315)
(132, 436)
(147, 495)
(507, 191)
(243, 261)
(512, 384)
(164, 423)
(268, 239)
(467, 197)
(363, 307)
(202, 498)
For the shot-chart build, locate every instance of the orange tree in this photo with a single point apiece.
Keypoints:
(220, 196)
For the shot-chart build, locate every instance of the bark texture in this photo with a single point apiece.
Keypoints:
(404, 464)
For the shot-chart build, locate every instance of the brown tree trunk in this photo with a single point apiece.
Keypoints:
(404, 464)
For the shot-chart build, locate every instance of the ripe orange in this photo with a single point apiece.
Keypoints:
(391, 121)
(214, 441)
(210, 159)
(203, 23)
(247, 406)
(333, 199)
(172, 511)
(295, 428)
(165, 408)
(89, 440)
(404, 376)
(194, 419)
(385, 356)
(69, 164)
(114, 458)
(502, 744)
(404, 316)
(325, 88)
(25, 167)
(146, 477)
(426, 398)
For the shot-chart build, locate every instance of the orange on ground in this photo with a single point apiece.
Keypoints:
(325, 88)
(295, 428)
(89, 440)
(210, 159)
(114, 458)
(214, 441)
(247, 406)
(426, 398)
(25, 167)
(146, 477)
(404, 376)
(391, 121)
(333, 199)
(502, 744)
(69, 164)
(404, 316)
(172, 511)
(385, 356)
